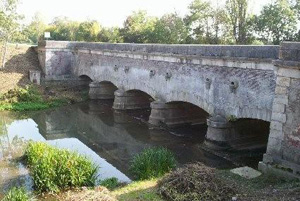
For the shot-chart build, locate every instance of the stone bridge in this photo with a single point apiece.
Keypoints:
(233, 87)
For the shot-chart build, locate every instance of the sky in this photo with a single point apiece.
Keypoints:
(108, 12)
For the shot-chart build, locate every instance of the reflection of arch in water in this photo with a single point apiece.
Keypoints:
(176, 113)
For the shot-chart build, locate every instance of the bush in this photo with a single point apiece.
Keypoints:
(28, 98)
(152, 163)
(110, 183)
(194, 182)
(16, 194)
(27, 94)
(53, 169)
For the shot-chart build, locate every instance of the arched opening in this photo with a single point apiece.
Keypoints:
(251, 134)
(102, 90)
(181, 118)
(136, 103)
(85, 79)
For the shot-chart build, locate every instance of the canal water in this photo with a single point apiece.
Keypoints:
(92, 128)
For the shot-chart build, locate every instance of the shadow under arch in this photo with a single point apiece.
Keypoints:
(250, 134)
(177, 114)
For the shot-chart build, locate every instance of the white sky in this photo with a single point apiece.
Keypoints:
(107, 12)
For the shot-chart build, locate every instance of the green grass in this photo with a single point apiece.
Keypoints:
(26, 99)
(17, 194)
(54, 169)
(152, 163)
(141, 190)
(110, 183)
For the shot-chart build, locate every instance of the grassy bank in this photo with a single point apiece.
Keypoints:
(34, 97)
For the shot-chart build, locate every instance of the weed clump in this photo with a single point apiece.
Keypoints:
(110, 183)
(53, 169)
(152, 163)
(16, 194)
(194, 182)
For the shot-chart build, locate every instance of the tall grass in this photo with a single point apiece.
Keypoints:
(152, 163)
(53, 169)
(16, 194)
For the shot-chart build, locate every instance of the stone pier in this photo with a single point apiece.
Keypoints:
(102, 91)
(175, 114)
(131, 100)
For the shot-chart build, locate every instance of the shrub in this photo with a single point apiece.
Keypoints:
(53, 169)
(194, 182)
(110, 183)
(16, 194)
(152, 163)
(27, 94)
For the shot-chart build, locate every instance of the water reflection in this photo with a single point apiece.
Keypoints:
(110, 139)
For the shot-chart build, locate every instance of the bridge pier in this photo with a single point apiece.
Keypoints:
(131, 100)
(219, 133)
(174, 114)
(102, 90)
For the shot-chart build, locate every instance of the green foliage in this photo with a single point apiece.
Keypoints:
(28, 98)
(138, 27)
(27, 94)
(16, 194)
(53, 169)
(110, 183)
(169, 29)
(152, 163)
(277, 22)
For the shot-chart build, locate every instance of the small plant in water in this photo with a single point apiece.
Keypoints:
(110, 183)
(17, 194)
(53, 169)
(152, 163)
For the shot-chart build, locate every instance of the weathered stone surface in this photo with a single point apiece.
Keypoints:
(244, 83)
(246, 172)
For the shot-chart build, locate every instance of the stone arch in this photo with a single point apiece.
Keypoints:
(103, 90)
(132, 99)
(85, 77)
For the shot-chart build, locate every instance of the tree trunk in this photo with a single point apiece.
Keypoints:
(4, 53)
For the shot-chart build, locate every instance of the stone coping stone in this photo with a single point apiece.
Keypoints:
(246, 172)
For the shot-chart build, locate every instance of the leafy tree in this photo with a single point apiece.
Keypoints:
(169, 29)
(138, 27)
(88, 31)
(9, 23)
(63, 29)
(36, 28)
(277, 22)
(111, 35)
(237, 11)
(207, 23)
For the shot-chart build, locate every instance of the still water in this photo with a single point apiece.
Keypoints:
(92, 128)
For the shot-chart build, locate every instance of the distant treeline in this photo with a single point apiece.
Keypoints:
(205, 23)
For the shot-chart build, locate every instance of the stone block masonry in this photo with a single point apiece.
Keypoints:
(226, 82)
(283, 153)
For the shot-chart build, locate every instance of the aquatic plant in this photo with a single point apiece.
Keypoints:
(152, 163)
(17, 194)
(53, 169)
(110, 183)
